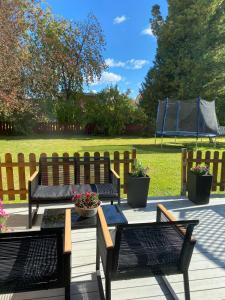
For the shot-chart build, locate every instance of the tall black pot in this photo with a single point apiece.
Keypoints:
(199, 187)
(137, 191)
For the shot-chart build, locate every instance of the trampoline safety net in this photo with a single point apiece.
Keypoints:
(187, 118)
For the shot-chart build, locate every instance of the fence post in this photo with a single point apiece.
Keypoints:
(183, 171)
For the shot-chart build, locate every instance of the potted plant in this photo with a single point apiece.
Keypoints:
(3, 218)
(199, 184)
(86, 204)
(138, 185)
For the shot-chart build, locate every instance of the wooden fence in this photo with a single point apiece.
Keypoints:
(14, 174)
(214, 160)
(55, 128)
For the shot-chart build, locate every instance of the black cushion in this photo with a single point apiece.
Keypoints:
(106, 190)
(55, 192)
(156, 249)
(28, 263)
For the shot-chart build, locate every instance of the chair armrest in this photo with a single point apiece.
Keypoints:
(67, 232)
(104, 229)
(116, 175)
(33, 182)
(162, 210)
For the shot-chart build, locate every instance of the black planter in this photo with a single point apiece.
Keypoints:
(199, 187)
(137, 191)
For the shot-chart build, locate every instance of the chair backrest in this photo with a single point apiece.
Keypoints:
(172, 241)
(90, 170)
(31, 260)
(57, 170)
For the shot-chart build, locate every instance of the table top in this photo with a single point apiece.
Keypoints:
(54, 218)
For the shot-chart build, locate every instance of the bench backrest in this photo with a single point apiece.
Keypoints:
(74, 170)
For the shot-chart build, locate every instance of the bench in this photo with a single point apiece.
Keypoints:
(58, 178)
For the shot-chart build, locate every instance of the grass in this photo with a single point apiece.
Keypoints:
(164, 162)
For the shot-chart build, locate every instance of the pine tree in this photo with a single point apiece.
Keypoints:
(190, 56)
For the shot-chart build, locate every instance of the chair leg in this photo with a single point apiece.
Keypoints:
(97, 259)
(67, 292)
(186, 286)
(32, 214)
(107, 288)
(29, 215)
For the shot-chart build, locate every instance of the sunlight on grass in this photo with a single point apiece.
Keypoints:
(164, 162)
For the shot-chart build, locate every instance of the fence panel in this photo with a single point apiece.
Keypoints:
(14, 174)
(214, 160)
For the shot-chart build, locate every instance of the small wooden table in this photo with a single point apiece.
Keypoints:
(54, 218)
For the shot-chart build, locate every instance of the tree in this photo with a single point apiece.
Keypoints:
(111, 111)
(65, 56)
(190, 54)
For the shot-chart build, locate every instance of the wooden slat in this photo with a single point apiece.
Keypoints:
(32, 163)
(190, 157)
(97, 168)
(1, 183)
(222, 176)
(183, 171)
(55, 168)
(66, 169)
(105, 230)
(207, 158)
(87, 167)
(106, 169)
(126, 169)
(77, 171)
(9, 176)
(22, 180)
(44, 169)
(117, 162)
(215, 171)
(199, 157)
(67, 233)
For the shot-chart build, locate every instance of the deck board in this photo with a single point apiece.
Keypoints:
(206, 272)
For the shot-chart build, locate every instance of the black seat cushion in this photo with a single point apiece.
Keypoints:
(55, 192)
(106, 191)
(153, 249)
(28, 263)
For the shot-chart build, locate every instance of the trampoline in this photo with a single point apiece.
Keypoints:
(190, 118)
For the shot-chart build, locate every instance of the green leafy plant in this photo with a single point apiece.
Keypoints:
(200, 170)
(139, 170)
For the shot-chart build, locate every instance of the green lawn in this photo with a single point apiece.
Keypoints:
(164, 162)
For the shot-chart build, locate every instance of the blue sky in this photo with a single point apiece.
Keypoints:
(130, 45)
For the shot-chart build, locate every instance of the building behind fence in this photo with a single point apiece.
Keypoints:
(215, 161)
(14, 174)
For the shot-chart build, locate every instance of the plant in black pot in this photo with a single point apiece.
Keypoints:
(199, 184)
(138, 185)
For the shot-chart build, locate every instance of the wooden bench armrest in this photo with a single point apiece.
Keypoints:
(67, 232)
(115, 174)
(105, 229)
(32, 177)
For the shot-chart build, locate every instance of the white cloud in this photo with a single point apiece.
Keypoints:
(110, 62)
(131, 64)
(108, 78)
(136, 64)
(147, 31)
(119, 19)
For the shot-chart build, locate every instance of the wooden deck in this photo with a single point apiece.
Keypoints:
(207, 269)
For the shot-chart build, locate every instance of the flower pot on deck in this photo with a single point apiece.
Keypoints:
(137, 190)
(199, 187)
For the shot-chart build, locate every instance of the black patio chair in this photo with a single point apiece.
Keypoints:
(36, 260)
(142, 250)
